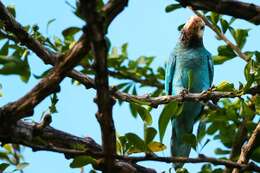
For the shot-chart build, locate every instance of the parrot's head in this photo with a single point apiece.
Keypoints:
(192, 31)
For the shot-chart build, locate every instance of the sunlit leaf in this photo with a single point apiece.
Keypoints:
(144, 114)
(81, 161)
(21, 166)
(225, 86)
(156, 146)
(150, 133)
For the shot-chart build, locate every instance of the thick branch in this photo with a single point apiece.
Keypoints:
(104, 100)
(238, 9)
(58, 141)
(248, 148)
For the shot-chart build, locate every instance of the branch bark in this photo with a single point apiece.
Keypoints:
(238, 9)
(96, 23)
(200, 159)
(248, 148)
(54, 140)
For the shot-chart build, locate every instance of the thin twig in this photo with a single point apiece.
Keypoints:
(200, 159)
(222, 36)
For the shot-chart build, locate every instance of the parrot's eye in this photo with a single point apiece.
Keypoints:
(202, 27)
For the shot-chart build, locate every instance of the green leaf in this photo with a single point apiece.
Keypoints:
(133, 109)
(206, 169)
(257, 104)
(224, 25)
(220, 59)
(54, 101)
(180, 27)
(150, 133)
(225, 50)
(245, 110)
(43, 74)
(172, 7)
(81, 161)
(190, 139)
(171, 110)
(201, 132)
(240, 36)
(11, 9)
(182, 170)
(156, 146)
(137, 143)
(21, 166)
(4, 50)
(14, 65)
(3, 166)
(71, 31)
(220, 151)
(256, 155)
(249, 74)
(49, 23)
(214, 17)
(144, 114)
(225, 86)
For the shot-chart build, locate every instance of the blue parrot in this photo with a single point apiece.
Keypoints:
(189, 68)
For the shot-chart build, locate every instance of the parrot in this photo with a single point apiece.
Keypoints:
(188, 69)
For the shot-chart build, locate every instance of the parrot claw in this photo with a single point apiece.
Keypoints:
(184, 92)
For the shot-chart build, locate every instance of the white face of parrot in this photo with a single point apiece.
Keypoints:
(194, 27)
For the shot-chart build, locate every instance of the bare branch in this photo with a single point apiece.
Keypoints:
(200, 159)
(223, 37)
(248, 148)
(238, 9)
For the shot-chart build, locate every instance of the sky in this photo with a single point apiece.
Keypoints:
(148, 30)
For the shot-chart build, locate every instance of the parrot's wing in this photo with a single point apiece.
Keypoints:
(211, 68)
(170, 68)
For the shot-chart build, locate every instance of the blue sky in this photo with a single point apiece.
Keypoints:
(149, 31)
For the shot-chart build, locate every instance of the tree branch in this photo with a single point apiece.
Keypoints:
(58, 141)
(16, 28)
(104, 100)
(238, 9)
(24, 106)
(200, 159)
(223, 37)
(248, 148)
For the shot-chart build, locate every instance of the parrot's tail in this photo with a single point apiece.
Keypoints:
(181, 126)
(178, 147)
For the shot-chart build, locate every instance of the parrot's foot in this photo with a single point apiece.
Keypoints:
(184, 91)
